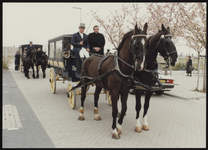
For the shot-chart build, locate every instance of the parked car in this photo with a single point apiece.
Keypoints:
(166, 80)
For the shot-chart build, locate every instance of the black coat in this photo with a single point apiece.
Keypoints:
(96, 40)
(17, 59)
(76, 38)
(189, 63)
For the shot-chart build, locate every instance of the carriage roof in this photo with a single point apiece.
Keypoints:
(22, 47)
(35, 45)
(64, 36)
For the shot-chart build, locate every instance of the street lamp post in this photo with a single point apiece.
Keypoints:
(80, 12)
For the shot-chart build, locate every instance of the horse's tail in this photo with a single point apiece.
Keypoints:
(77, 86)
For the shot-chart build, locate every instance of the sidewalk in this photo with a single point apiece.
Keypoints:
(185, 85)
(177, 119)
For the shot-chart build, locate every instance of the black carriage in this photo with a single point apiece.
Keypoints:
(62, 66)
(23, 50)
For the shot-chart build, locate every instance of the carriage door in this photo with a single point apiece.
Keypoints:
(59, 47)
(51, 52)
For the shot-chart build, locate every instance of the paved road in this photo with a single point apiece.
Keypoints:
(40, 119)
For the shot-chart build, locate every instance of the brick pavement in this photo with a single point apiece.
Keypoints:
(174, 122)
(21, 127)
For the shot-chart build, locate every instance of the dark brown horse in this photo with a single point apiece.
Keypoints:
(41, 59)
(28, 62)
(168, 50)
(119, 71)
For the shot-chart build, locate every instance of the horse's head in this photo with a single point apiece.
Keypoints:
(167, 48)
(44, 58)
(138, 46)
(33, 55)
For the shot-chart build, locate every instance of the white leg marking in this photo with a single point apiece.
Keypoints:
(115, 131)
(97, 115)
(138, 122)
(119, 126)
(81, 114)
(145, 120)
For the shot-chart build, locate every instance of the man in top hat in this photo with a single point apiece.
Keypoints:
(79, 41)
(30, 46)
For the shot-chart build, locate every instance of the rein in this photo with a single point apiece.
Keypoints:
(167, 57)
(116, 68)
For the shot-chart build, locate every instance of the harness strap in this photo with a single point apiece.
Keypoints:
(137, 82)
(157, 80)
(94, 80)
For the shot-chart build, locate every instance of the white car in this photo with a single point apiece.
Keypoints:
(166, 80)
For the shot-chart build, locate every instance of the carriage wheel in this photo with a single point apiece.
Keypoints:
(52, 79)
(71, 96)
(109, 98)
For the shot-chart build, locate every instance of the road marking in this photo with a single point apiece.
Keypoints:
(11, 118)
(12, 128)
(5, 91)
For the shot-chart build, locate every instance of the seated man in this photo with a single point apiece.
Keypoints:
(79, 40)
(30, 47)
(17, 60)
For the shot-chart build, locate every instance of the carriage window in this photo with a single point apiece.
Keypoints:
(58, 49)
(52, 50)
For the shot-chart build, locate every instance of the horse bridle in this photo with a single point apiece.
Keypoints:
(134, 38)
(167, 56)
(116, 68)
(133, 42)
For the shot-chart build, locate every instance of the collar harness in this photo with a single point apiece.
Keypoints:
(133, 45)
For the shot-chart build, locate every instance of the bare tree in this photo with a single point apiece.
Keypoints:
(193, 21)
(166, 13)
(116, 24)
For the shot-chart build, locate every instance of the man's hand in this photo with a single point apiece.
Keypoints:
(81, 43)
(88, 49)
(96, 49)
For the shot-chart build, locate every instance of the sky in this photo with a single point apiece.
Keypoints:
(39, 22)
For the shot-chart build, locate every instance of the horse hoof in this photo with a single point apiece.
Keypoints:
(98, 118)
(37, 77)
(119, 131)
(115, 136)
(138, 129)
(81, 118)
(145, 127)
(28, 77)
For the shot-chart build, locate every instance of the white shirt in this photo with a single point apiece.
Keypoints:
(81, 34)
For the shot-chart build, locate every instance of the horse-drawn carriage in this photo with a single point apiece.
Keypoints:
(62, 66)
(134, 66)
(23, 50)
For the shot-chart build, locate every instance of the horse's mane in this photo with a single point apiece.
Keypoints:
(124, 39)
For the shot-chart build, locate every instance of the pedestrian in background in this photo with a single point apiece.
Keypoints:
(189, 66)
(17, 60)
(96, 41)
